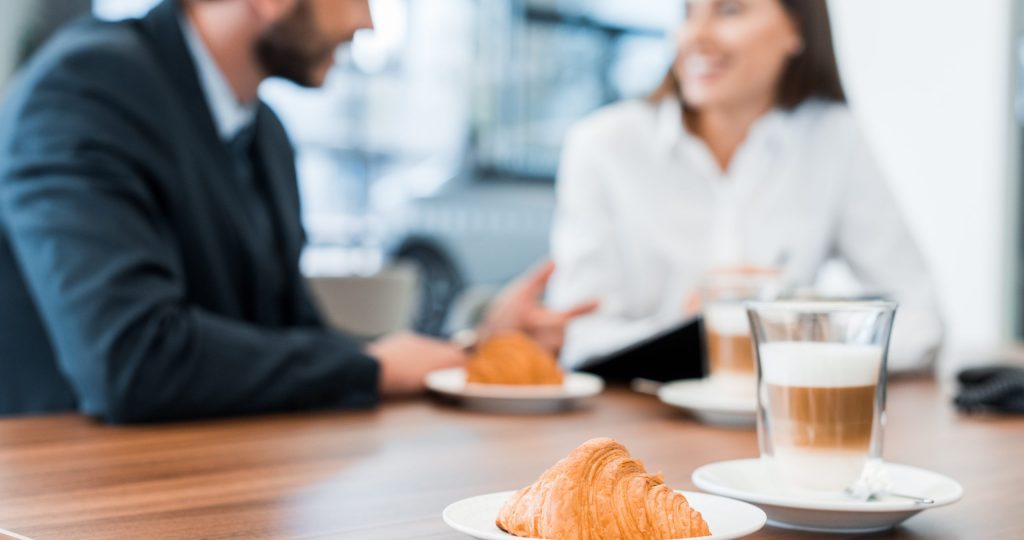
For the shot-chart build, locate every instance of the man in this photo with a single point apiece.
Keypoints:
(150, 232)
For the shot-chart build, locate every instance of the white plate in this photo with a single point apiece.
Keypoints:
(748, 480)
(726, 518)
(711, 402)
(515, 398)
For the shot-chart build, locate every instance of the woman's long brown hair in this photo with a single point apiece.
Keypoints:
(812, 72)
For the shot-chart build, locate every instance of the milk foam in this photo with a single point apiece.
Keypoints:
(728, 319)
(819, 471)
(822, 365)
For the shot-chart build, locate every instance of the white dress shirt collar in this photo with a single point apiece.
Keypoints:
(671, 133)
(229, 115)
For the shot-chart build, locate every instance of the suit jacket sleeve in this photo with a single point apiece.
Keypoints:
(87, 225)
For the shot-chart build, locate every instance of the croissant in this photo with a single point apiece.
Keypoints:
(599, 493)
(513, 358)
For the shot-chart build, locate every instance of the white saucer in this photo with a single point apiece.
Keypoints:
(726, 518)
(748, 480)
(515, 398)
(711, 402)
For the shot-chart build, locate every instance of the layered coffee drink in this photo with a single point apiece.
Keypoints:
(728, 344)
(727, 337)
(820, 402)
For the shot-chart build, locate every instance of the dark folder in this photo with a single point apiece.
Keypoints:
(674, 354)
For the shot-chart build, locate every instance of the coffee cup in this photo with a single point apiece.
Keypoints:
(728, 345)
(821, 389)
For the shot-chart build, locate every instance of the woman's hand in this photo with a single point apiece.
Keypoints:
(519, 307)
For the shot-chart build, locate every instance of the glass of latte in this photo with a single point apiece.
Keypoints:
(821, 389)
(728, 346)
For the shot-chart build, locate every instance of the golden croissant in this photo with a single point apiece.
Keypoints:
(599, 493)
(513, 358)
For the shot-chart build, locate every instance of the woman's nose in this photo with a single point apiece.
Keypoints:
(695, 31)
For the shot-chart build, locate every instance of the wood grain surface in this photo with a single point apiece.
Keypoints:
(388, 473)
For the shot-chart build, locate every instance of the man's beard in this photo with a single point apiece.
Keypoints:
(293, 49)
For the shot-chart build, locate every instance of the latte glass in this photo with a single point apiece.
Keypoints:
(728, 346)
(821, 389)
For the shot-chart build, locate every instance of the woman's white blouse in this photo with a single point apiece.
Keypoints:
(644, 212)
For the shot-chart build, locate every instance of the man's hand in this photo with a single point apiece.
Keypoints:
(405, 359)
(519, 307)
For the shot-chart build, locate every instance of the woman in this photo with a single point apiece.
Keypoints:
(746, 155)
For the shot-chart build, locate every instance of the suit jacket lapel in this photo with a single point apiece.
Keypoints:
(163, 26)
(276, 164)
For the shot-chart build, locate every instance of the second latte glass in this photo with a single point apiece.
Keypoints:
(729, 351)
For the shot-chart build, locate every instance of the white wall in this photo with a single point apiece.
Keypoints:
(930, 81)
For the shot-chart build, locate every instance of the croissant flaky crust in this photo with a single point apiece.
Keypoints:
(513, 358)
(599, 493)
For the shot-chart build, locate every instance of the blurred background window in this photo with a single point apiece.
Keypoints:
(26, 24)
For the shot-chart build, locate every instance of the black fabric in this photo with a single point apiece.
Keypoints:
(991, 388)
(670, 356)
(143, 276)
(267, 297)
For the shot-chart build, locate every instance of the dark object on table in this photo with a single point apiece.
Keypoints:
(991, 388)
(669, 356)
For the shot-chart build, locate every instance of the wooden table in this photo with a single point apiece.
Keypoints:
(388, 473)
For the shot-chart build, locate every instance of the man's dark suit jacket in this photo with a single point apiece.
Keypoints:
(130, 287)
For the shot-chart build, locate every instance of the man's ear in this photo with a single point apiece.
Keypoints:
(271, 11)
